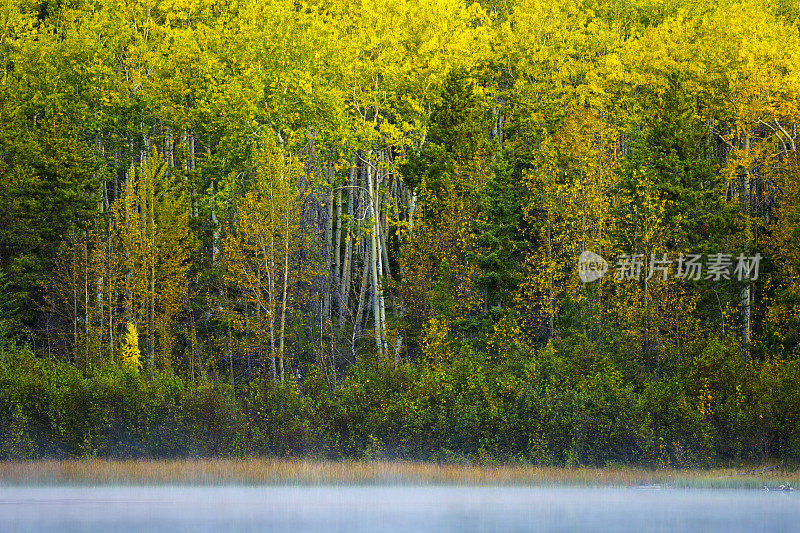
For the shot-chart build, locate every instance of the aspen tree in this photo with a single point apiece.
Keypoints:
(261, 243)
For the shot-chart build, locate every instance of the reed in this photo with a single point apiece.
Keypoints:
(260, 471)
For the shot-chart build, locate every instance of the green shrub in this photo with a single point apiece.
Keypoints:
(545, 406)
(603, 420)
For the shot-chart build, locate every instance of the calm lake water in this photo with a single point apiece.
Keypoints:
(397, 509)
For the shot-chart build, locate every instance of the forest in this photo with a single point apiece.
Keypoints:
(352, 230)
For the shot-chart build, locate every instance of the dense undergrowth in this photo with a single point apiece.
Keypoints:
(541, 407)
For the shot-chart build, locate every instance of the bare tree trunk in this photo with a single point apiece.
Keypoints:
(381, 301)
(412, 208)
(283, 299)
(230, 361)
(75, 299)
(550, 289)
(328, 256)
(86, 299)
(271, 300)
(344, 286)
(375, 261)
(337, 248)
(214, 225)
(129, 177)
(100, 299)
(168, 147)
(100, 266)
(152, 245)
(112, 276)
(746, 297)
(361, 300)
(383, 210)
(193, 345)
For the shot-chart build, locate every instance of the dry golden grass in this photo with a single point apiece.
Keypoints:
(308, 472)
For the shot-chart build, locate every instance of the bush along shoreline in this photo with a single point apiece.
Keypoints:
(542, 407)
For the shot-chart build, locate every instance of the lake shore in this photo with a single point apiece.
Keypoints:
(270, 471)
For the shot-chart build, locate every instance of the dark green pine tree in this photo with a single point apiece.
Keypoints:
(670, 151)
(457, 139)
(497, 236)
(448, 171)
(670, 163)
(47, 187)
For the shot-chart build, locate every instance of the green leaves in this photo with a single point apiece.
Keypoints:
(46, 188)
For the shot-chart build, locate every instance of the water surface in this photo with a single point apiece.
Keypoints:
(394, 509)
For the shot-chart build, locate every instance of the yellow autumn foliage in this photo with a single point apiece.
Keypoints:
(131, 357)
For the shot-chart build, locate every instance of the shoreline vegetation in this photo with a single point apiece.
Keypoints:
(365, 231)
(525, 410)
(271, 471)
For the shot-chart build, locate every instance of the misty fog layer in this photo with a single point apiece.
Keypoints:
(400, 509)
